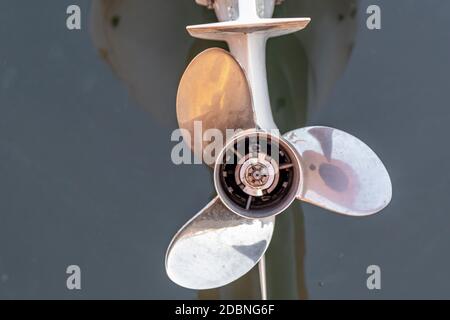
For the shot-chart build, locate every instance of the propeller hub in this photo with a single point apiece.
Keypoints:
(257, 174)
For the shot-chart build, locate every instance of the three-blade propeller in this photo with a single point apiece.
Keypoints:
(319, 165)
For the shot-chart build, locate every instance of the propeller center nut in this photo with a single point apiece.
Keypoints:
(257, 174)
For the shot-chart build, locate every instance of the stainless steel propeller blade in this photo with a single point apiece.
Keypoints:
(341, 173)
(215, 94)
(217, 247)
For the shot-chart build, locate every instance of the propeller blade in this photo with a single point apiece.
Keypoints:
(341, 173)
(216, 247)
(214, 94)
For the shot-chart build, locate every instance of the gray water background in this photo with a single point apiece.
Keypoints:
(86, 177)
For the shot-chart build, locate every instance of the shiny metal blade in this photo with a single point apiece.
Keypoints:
(214, 94)
(341, 173)
(216, 247)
